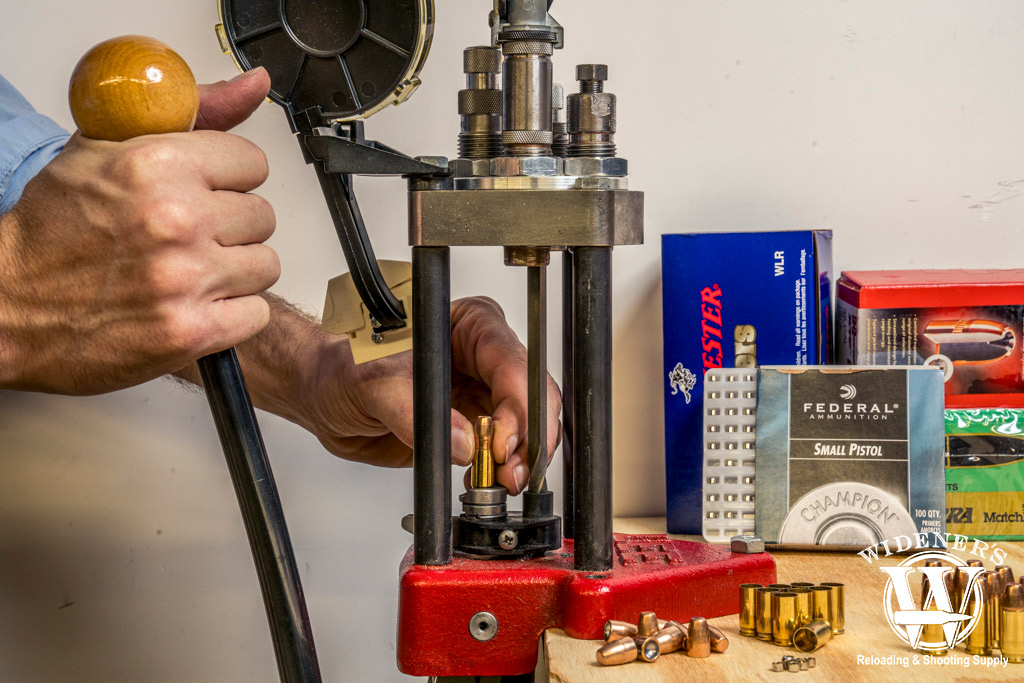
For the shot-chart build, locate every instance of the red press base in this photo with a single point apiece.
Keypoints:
(676, 579)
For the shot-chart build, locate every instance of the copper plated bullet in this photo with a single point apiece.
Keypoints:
(698, 638)
(648, 625)
(482, 475)
(613, 630)
(618, 652)
(1005, 574)
(1011, 623)
(670, 639)
(719, 641)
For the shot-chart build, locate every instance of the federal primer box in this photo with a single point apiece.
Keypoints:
(849, 456)
(733, 300)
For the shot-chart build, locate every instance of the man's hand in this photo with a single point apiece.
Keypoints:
(124, 261)
(364, 412)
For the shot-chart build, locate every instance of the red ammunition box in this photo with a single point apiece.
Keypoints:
(968, 322)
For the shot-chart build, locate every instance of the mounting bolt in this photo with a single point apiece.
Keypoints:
(377, 338)
(508, 539)
(483, 626)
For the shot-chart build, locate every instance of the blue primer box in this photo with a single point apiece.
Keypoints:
(737, 299)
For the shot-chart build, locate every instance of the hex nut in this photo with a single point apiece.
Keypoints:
(607, 166)
(591, 72)
(469, 168)
(527, 166)
(747, 544)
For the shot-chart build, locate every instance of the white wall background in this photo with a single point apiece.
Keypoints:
(122, 553)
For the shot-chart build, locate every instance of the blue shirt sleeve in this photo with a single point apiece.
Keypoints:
(28, 141)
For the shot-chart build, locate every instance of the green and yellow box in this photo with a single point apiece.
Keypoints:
(985, 473)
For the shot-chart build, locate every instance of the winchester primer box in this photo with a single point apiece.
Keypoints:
(967, 322)
(849, 457)
(737, 299)
(985, 473)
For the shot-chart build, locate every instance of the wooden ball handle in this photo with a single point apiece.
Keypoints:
(132, 85)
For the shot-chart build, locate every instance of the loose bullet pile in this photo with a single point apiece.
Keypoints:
(802, 615)
(652, 637)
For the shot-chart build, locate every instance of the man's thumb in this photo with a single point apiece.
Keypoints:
(225, 104)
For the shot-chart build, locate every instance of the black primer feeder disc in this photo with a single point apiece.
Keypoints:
(350, 58)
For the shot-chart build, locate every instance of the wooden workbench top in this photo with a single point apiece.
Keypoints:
(867, 651)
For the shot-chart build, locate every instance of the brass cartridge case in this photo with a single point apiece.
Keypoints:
(801, 584)
(803, 606)
(748, 612)
(763, 612)
(698, 638)
(613, 630)
(1011, 620)
(669, 639)
(932, 633)
(993, 603)
(648, 625)
(618, 652)
(482, 475)
(719, 641)
(812, 636)
(837, 607)
(977, 640)
(820, 604)
(783, 617)
(779, 586)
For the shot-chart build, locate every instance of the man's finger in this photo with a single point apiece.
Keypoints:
(225, 104)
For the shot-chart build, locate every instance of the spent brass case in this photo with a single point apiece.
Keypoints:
(1011, 623)
(748, 610)
(801, 584)
(779, 586)
(783, 617)
(763, 612)
(803, 606)
(820, 603)
(613, 630)
(482, 475)
(618, 651)
(698, 638)
(837, 606)
(812, 636)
